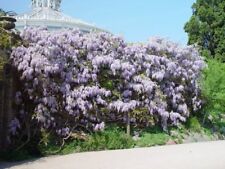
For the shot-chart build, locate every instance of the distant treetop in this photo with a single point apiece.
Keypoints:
(206, 27)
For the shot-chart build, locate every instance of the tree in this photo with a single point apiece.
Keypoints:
(206, 27)
(2, 12)
(8, 13)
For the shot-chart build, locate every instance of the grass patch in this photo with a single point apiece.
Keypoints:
(152, 136)
(152, 139)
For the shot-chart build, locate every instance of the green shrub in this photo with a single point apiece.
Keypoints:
(110, 139)
(193, 124)
(213, 91)
(152, 139)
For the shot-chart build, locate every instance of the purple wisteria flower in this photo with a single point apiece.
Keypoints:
(73, 79)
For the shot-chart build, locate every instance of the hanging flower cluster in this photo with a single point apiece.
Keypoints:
(75, 79)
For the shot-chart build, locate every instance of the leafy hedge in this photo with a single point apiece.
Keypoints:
(74, 81)
(213, 91)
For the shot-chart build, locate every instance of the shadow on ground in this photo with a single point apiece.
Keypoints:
(6, 165)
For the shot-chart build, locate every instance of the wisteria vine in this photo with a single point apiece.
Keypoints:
(75, 79)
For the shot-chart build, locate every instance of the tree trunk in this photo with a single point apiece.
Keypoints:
(128, 124)
(7, 91)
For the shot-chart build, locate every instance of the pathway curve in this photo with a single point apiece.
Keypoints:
(206, 155)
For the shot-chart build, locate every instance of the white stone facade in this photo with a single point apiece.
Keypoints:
(46, 13)
(53, 4)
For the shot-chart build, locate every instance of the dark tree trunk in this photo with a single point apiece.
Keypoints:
(7, 91)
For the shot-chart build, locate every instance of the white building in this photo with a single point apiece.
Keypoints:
(47, 13)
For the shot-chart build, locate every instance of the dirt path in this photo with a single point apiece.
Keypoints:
(206, 155)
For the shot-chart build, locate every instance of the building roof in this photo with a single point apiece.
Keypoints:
(47, 13)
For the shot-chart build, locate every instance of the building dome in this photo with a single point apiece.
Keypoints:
(47, 13)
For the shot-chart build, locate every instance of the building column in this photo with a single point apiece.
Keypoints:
(48, 4)
(37, 3)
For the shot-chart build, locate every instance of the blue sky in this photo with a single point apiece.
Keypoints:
(135, 20)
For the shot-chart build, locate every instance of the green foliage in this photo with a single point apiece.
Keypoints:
(8, 39)
(152, 139)
(193, 124)
(106, 81)
(2, 12)
(213, 91)
(152, 136)
(110, 139)
(2, 63)
(5, 39)
(206, 27)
